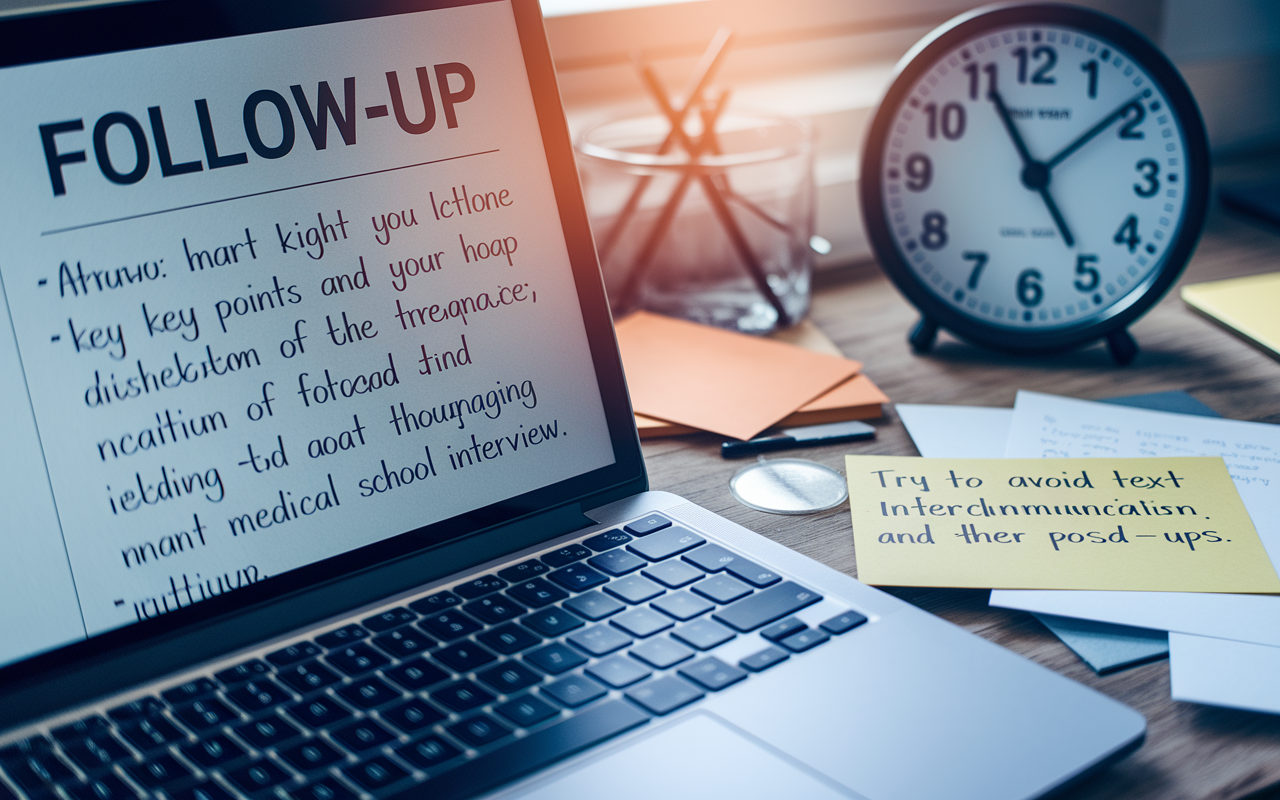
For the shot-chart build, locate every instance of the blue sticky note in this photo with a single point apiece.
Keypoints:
(1107, 647)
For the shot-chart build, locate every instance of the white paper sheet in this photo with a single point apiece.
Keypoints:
(1223, 672)
(1048, 426)
(957, 431)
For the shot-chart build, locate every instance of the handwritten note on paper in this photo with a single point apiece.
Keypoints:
(1148, 524)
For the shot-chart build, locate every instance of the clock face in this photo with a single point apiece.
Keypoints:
(1034, 178)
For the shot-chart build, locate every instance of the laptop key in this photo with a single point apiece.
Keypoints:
(509, 639)
(368, 693)
(258, 776)
(509, 677)
(190, 690)
(38, 770)
(600, 640)
(593, 605)
(435, 603)
(523, 571)
(464, 656)
(311, 755)
(449, 625)
(552, 622)
(634, 589)
(140, 708)
(151, 733)
(617, 562)
(323, 789)
(527, 710)
(607, 540)
(208, 790)
(416, 674)
(537, 593)
(213, 751)
(413, 715)
(683, 605)
(319, 712)
(294, 653)
(158, 770)
(703, 634)
(642, 622)
(429, 752)
(259, 695)
(357, 659)
(674, 574)
(768, 657)
(485, 584)
(308, 677)
(267, 732)
(842, 623)
(391, 618)
(89, 726)
(804, 640)
(495, 609)
(574, 691)
(404, 642)
(664, 695)
(105, 787)
(578, 577)
(766, 606)
(242, 673)
(362, 735)
(661, 652)
(619, 671)
(565, 555)
(753, 573)
(712, 558)
(479, 730)
(666, 543)
(722, 589)
(712, 673)
(201, 715)
(782, 629)
(554, 659)
(646, 526)
(461, 695)
(377, 773)
(342, 636)
(95, 753)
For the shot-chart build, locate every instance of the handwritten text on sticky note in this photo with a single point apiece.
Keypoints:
(1137, 524)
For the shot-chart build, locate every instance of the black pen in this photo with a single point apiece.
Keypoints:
(808, 436)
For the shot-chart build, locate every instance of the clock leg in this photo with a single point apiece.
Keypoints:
(923, 335)
(1122, 345)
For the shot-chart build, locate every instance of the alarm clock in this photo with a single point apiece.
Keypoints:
(1035, 178)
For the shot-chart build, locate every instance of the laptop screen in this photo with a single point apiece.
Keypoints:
(274, 298)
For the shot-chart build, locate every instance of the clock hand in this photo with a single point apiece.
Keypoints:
(1084, 138)
(1035, 175)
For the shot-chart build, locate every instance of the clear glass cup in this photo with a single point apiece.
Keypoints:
(732, 249)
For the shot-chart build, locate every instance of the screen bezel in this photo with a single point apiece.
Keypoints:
(125, 656)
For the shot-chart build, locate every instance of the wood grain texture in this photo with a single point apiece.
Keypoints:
(1191, 751)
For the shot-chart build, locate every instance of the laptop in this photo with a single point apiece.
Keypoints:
(320, 478)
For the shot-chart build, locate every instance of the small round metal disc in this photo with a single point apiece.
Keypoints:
(789, 486)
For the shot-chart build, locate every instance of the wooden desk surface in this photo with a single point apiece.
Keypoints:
(1191, 751)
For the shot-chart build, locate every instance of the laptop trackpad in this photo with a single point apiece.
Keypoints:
(701, 756)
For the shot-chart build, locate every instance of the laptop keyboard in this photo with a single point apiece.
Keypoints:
(462, 689)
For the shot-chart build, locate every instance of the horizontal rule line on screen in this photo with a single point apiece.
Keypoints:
(259, 194)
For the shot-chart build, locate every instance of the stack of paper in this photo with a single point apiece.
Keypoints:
(685, 377)
(1224, 648)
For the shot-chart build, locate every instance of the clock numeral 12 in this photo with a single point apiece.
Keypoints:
(1041, 76)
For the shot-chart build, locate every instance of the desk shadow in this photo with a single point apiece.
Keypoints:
(1089, 357)
(1235, 723)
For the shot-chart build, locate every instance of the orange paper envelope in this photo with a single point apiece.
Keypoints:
(716, 380)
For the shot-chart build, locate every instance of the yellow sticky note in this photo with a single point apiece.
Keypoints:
(1134, 524)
